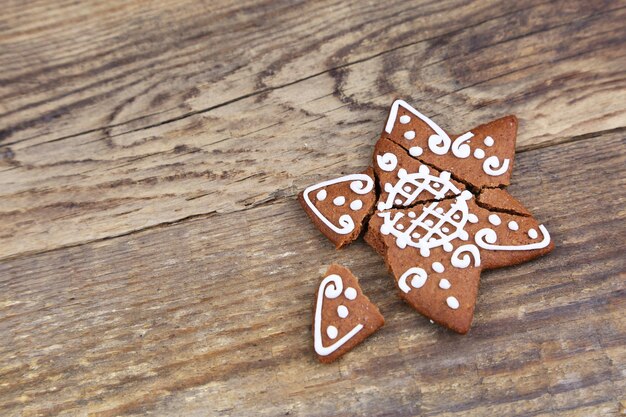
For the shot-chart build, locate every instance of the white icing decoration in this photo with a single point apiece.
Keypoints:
(418, 279)
(342, 311)
(356, 205)
(438, 267)
(360, 184)
(332, 332)
(460, 149)
(419, 182)
(350, 293)
(485, 238)
(492, 166)
(321, 195)
(404, 119)
(387, 162)
(415, 151)
(472, 218)
(434, 236)
(452, 302)
(444, 284)
(532, 233)
(465, 261)
(513, 225)
(495, 219)
(440, 143)
(331, 288)
(339, 201)
(479, 153)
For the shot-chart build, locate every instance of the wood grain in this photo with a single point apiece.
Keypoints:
(218, 323)
(58, 193)
(154, 259)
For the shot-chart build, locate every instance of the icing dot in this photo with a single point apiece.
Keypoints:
(439, 210)
(456, 217)
(410, 135)
(452, 302)
(532, 233)
(407, 189)
(445, 229)
(436, 185)
(356, 205)
(513, 225)
(479, 153)
(350, 293)
(472, 218)
(444, 284)
(405, 119)
(398, 201)
(488, 141)
(415, 151)
(321, 195)
(494, 219)
(428, 223)
(447, 246)
(400, 227)
(416, 235)
(332, 332)
(381, 206)
(342, 311)
(412, 214)
(438, 267)
(339, 201)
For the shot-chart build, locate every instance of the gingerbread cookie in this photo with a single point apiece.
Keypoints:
(443, 215)
(343, 315)
(338, 206)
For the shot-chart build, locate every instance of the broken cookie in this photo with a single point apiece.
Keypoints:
(442, 214)
(338, 206)
(343, 315)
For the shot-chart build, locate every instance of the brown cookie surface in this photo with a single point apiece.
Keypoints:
(343, 315)
(338, 206)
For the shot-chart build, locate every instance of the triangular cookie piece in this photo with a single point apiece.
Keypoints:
(343, 315)
(481, 157)
(338, 207)
(404, 181)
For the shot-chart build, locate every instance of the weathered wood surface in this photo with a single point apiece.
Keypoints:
(153, 259)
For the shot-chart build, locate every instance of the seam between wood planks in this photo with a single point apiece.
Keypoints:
(327, 71)
(284, 197)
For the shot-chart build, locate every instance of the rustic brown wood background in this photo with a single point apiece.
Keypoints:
(154, 260)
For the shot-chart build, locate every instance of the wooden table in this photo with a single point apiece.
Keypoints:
(154, 260)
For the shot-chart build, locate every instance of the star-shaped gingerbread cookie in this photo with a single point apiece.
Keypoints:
(442, 214)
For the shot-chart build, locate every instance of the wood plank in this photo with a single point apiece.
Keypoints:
(219, 322)
(73, 67)
(59, 193)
